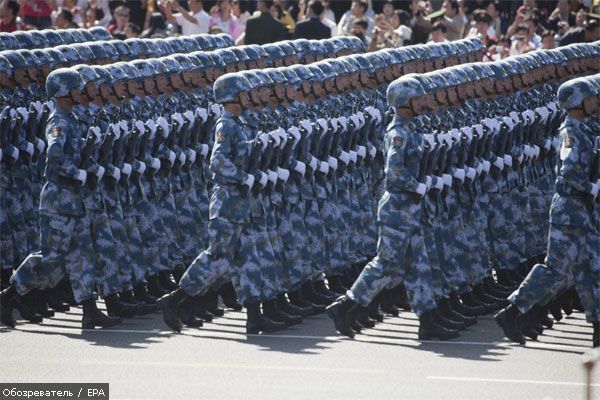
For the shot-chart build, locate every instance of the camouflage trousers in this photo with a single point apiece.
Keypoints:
(135, 247)
(315, 230)
(474, 226)
(250, 279)
(7, 239)
(434, 248)
(400, 252)
(331, 218)
(187, 224)
(366, 220)
(168, 213)
(65, 248)
(150, 228)
(121, 246)
(291, 230)
(501, 230)
(17, 222)
(217, 260)
(572, 254)
(537, 222)
(105, 256)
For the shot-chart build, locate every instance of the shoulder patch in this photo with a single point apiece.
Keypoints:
(569, 142)
(55, 132)
(220, 137)
(398, 140)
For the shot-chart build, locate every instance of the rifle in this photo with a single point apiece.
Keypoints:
(324, 147)
(265, 163)
(130, 152)
(86, 161)
(104, 152)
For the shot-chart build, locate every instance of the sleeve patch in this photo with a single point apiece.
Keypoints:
(398, 140)
(221, 137)
(55, 132)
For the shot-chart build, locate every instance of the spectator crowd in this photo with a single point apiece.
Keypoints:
(506, 27)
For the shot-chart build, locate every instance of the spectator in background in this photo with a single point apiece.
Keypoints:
(196, 20)
(117, 28)
(36, 13)
(157, 27)
(93, 16)
(589, 33)
(283, 16)
(561, 16)
(421, 26)
(520, 44)
(388, 11)
(132, 31)
(357, 12)
(76, 7)
(438, 32)
(325, 16)
(223, 20)
(580, 18)
(535, 41)
(548, 42)
(453, 20)
(328, 14)
(64, 20)
(262, 28)
(495, 28)
(9, 20)
(402, 31)
(312, 27)
(239, 8)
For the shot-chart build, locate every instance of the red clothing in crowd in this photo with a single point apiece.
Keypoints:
(36, 8)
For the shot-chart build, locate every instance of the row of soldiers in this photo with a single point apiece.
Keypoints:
(183, 83)
(500, 166)
(573, 255)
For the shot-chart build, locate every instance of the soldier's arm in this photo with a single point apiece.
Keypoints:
(397, 175)
(221, 160)
(577, 160)
(56, 136)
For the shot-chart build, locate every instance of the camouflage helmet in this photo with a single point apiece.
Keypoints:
(276, 76)
(225, 38)
(87, 73)
(57, 57)
(5, 65)
(571, 94)
(39, 40)
(291, 77)
(77, 36)
(51, 37)
(144, 68)
(24, 39)
(116, 72)
(188, 44)
(202, 42)
(86, 55)
(253, 79)
(60, 82)
(175, 44)
(100, 33)
(98, 50)
(15, 59)
(66, 36)
(86, 35)
(30, 59)
(43, 57)
(171, 65)
(326, 69)
(240, 54)
(219, 42)
(122, 48)
(184, 61)
(302, 72)
(263, 76)
(111, 51)
(104, 77)
(227, 87)
(69, 52)
(402, 90)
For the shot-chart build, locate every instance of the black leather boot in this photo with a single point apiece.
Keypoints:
(387, 302)
(143, 308)
(402, 298)
(141, 294)
(200, 309)
(169, 304)
(186, 314)
(566, 302)
(347, 279)
(7, 298)
(166, 280)
(596, 335)
(116, 308)
(464, 309)
(229, 297)
(504, 278)
(509, 319)
(320, 288)
(335, 285)
(447, 323)
(430, 330)
(362, 317)
(271, 311)
(155, 288)
(374, 309)
(257, 322)
(469, 299)
(338, 312)
(5, 274)
(212, 304)
(555, 309)
(284, 305)
(54, 299)
(297, 299)
(26, 306)
(92, 317)
(310, 295)
(446, 310)
(41, 304)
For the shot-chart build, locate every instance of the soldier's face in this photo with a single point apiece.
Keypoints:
(590, 106)
(290, 92)
(149, 85)
(438, 63)
(488, 86)
(252, 64)
(92, 91)
(265, 94)
(277, 63)
(451, 61)
(279, 92)
(339, 83)
(255, 96)
(306, 87)
(328, 83)
(452, 96)
(260, 64)
(134, 88)
(441, 97)
(409, 67)
(364, 77)
(229, 68)
(74, 95)
(5, 81)
(21, 77)
(161, 83)
(419, 104)
(396, 70)
(244, 101)
(317, 88)
(241, 66)
(309, 59)
(428, 65)
(32, 74)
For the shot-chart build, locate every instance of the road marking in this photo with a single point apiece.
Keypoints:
(523, 381)
(234, 366)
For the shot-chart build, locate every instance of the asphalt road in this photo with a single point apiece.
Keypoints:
(141, 359)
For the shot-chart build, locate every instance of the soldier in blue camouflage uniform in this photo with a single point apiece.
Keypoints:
(573, 231)
(65, 245)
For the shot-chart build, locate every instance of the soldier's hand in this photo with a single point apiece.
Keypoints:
(81, 176)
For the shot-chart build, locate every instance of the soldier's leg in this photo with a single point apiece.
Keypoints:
(586, 272)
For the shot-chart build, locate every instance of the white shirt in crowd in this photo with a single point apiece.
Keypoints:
(189, 28)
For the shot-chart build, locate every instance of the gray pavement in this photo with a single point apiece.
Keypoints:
(141, 359)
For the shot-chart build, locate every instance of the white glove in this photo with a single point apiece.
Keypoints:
(96, 132)
(344, 122)
(264, 178)
(421, 189)
(202, 113)
(14, 154)
(447, 178)
(248, 181)
(81, 176)
(189, 116)
(594, 190)
(372, 151)
(428, 182)
(448, 139)
(283, 174)
(509, 121)
(361, 151)
(355, 120)
(468, 131)
(123, 125)
(439, 183)
(152, 126)
(486, 165)
(295, 132)
(203, 150)
(116, 174)
(140, 167)
(215, 109)
(171, 158)
(115, 129)
(479, 168)
(40, 145)
(272, 176)
(428, 137)
(471, 173)
(322, 123)
(344, 157)
(126, 170)
(507, 160)
(139, 125)
(520, 158)
(361, 118)
(24, 113)
(162, 122)
(459, 174)
(38, 108)
(155, 164)
(499, 163)
(100, 172)
(50, 105)
(479, 129)
(264, 138)
(282, 136)
(191, 155)
(352, 154)
(182, 157)
(323, 167)
(306, 125)
(455, 134)
(334, 123)
(5, 112)
(544, 113)
(29, 149)
(536, 151)
(332, 163)
(300, 168)
(555, 142)
(275, 136)
(547, 144)
(177, 117)
(313, 163)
